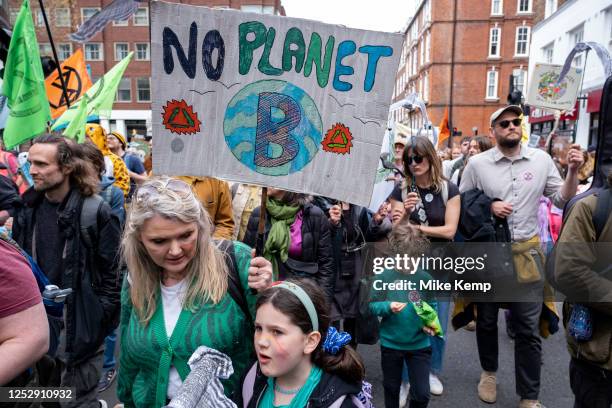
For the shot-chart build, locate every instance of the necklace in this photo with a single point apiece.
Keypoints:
(286, 391)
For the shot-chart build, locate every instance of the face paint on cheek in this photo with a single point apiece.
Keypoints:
(280, 350)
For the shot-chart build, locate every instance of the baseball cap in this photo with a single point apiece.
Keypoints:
(121, 138)
(510, 108)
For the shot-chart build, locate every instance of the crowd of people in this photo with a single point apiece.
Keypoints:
(211, 307)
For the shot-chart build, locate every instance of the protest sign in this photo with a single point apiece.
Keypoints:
(270, 100)
(545, 92)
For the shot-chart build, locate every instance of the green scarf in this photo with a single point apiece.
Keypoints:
(301, 398)
(279, 238)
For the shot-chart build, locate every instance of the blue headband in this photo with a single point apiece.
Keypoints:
(304, 298)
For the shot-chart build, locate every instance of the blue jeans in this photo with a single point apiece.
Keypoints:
(438, 345)
(109, 351)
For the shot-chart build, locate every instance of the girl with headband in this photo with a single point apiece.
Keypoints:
(301, 359)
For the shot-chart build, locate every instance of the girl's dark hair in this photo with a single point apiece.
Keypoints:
(70, 157)
(347, 364)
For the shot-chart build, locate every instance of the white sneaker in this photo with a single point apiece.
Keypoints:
(435, 385)
(103, 404)
(404, 392)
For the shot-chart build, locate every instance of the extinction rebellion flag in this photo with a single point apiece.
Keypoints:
(77, 83)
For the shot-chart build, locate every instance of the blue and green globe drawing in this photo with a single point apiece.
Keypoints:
(273, 127)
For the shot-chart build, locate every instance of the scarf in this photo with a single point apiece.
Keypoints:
(277, 244)
(301, 398)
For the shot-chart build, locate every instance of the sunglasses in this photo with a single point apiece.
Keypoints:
(505, 123)
(416, 159)
(156, 188)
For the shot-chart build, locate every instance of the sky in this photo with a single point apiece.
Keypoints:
(378, 15)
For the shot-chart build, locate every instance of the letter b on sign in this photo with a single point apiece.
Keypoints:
(273, 133)
(273, 127)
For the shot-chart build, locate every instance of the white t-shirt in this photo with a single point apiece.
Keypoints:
(172, 301)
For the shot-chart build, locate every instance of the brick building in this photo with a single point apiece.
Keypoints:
(475, 45)
(132, 109)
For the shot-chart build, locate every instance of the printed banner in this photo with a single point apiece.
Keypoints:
(269, 100)
(545, 92)
(76, 80)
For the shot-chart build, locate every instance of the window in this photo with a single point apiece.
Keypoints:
(422, 47)
(428, 10)
(94, 52)
(142, 52)
(427, 46)
(13, 15)
(494, 36)
(497, 7)
(120, 23)
(422, 95)
(414, 62)
(492, 84)
(141, 17)
(45, 50)
(426, 87)
(121, 51)
(522, 41)
(524, 6)
(124, 91)
(576, 36)
(62, 17)
(64, 51)
(550, 7)
(143, 89)
(39, 20)
(548, 53)
(88, 12)
(519, 77)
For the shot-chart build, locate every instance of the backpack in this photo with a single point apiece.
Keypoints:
(89, 220)
(600, 217)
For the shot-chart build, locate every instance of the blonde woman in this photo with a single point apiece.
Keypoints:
(178, 294)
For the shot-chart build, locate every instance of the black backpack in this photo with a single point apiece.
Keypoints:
(600, 217)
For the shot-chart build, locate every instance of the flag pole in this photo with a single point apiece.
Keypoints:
(59, 69)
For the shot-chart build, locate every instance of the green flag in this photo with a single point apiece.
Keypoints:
(100, 97)
(76, 129)
(24, 83)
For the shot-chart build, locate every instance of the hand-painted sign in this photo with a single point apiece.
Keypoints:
(546, 92)
(286, 102)
(76, 80)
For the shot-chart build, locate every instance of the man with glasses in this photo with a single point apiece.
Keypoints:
(514, 177)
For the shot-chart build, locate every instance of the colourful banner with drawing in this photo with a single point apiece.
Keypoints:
(269, 100)
(545, 91)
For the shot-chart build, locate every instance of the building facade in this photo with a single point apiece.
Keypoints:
(553, 39)
(132, 109)
(459, 55)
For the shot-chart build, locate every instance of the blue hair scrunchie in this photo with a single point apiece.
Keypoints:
(335, 340)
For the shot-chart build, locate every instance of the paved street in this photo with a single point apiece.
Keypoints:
(462, 371)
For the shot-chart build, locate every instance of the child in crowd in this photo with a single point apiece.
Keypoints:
(403, 336)
(297, 364)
